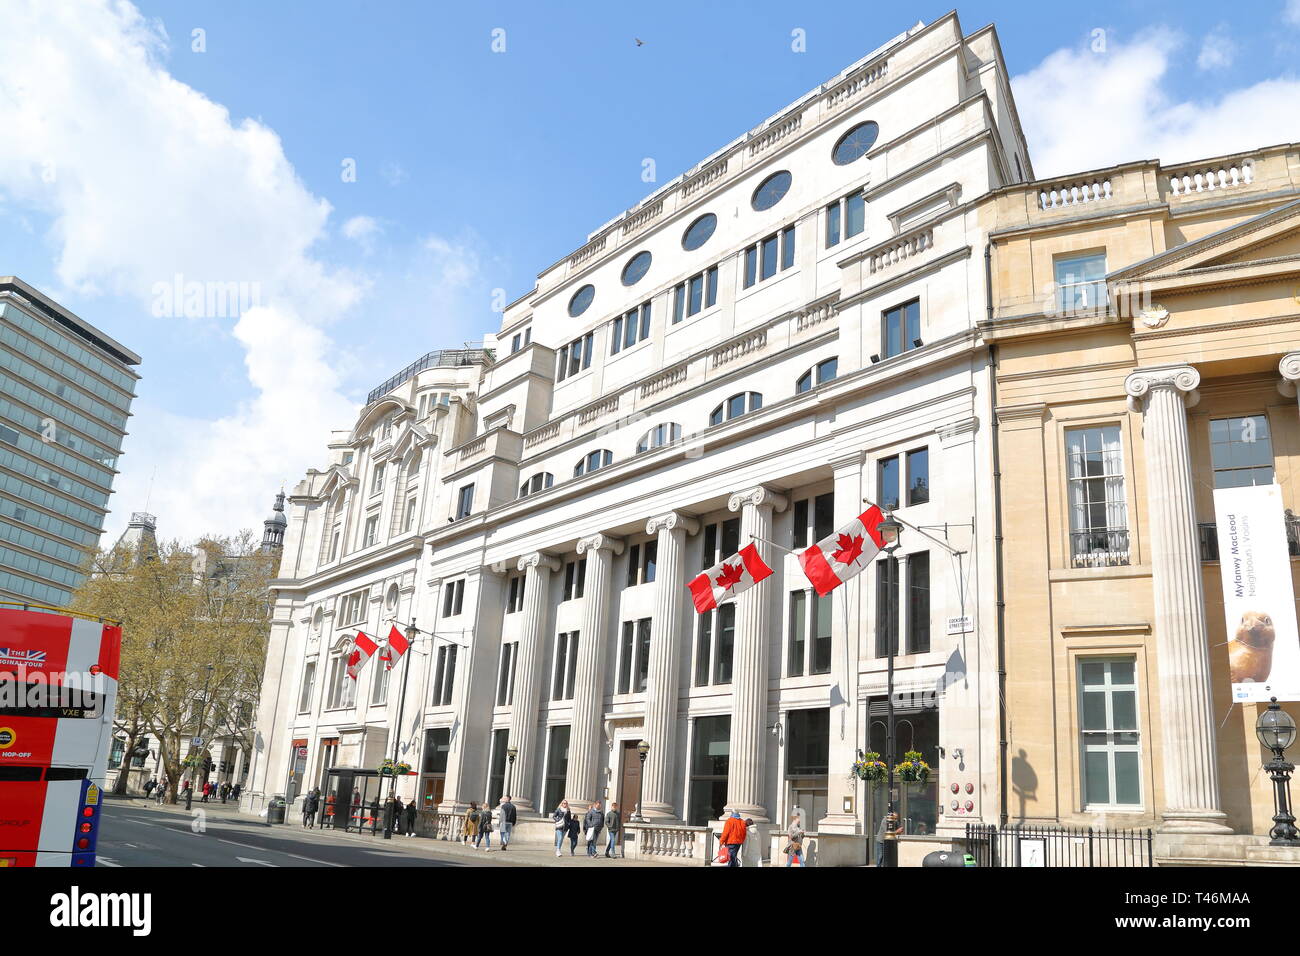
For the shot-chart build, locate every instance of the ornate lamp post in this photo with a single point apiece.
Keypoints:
(642, 750)
(1276, 731)
(511, 753)
(890, 531)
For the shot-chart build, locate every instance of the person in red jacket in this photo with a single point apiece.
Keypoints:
(734, 832)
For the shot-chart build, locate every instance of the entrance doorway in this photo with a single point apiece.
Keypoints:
(629, 779)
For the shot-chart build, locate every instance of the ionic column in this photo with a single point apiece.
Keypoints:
(580, 784)
(665, 648)
(745, 777)
(529, 672)
(1290, 369)
(1188, 748)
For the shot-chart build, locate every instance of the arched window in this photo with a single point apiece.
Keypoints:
(593, 461)
(823, 371)
(736, 406)
(659, 436)
(543, 479)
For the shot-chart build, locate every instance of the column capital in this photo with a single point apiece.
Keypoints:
(1179, 378)
(600, 542)
(1290, 369)
(672, 520)
(760, 496)
(539, 559)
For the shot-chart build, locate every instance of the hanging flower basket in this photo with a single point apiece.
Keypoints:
(913, 769)
(870, 768)
(390, 769)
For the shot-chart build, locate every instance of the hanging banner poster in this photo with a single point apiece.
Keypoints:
(1258, 599)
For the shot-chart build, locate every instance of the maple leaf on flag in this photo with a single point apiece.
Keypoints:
(850, 549)
(731, 576)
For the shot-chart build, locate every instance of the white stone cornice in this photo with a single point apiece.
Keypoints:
(1290, 369)
(760, 497)
(600, 542)
(672, 520)
(539, 559)
(1182, 378)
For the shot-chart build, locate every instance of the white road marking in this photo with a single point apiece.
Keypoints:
(105, 861)
(244, 859)
(249, 846)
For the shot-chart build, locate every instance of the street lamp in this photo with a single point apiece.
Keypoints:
(642, 750)
(890, 530)
(511, 753)
(1276, 731)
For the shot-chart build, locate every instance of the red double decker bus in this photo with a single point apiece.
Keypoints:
(58, 686)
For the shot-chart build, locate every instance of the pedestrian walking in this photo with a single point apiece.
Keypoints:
(148, 787)
(614, 824)
(484, 827)
(508, 817)
(593, 822)
(561, 818)
(207, 788)
(408, 818)
(794, 836)
(310, 804)
(733, 836)
(575, 830)
(162, 791)
(469, 826)
(330, 819)
(225, 791)
(392, 813)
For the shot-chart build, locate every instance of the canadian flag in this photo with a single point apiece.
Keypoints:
(728, 578)
(846, 553)
(397, 645)
(362, 648)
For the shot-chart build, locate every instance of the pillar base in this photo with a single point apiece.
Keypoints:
(1194, 821)
(654, 813)
(748, 811)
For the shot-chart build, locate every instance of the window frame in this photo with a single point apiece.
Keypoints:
(905, 327)
(1111, 748)
(722, 413)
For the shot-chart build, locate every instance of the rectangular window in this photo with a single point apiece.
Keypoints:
(634, 566)
(801, 523)
(918, 476)
(768, 264)
(823, 515)
(506, 674)
(335, 535)
(444, 677)
(751, 266)
(377, 480)
(679, 304)
(918, 602)
(833, 216)
(1098, 513)
(352, 607)
(710, 765)
(371, 532)
(464, 502)
(650, 558)
(515, 598)
(901, 328)
(1241, 451)
(1108, 730)
(821, 642)
(497, 765)
(641, 563)
(562, 363)
(1081, 282)
(695, 294)
(453, 597)
(634, 656)
(642, 654)
(887, 623)
(726, 643)
(409, 521)
(850, 213)
(566, 665)
(630, 328)
(308, 688)
(703, 648)
(625, 652)
(379, 684)
(711, 287)
(787, 248)
(887, 493)
(575, 575)
(557, 766)
(798, 643)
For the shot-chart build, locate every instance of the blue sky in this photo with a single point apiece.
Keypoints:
(141, 158)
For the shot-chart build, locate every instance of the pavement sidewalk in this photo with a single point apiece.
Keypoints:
(519, 854)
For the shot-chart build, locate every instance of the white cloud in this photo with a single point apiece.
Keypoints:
(1291, 13)
(363, 230)
(136, 178)
(1218, 51)
(1081, 110)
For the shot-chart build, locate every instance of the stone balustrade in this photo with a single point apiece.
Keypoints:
(671, 842)
(850, 89)
(649, 214)
(600, 409)
(774, 134)
(739, 347)
(1204, 178)
(891, 253)
(1075, 193)
(706, 177)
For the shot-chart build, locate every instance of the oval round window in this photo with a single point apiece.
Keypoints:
(581, 300)
(699, 232)
(317, 619)
(636, 268)
(855, 143)
(771, 190)
(390, 599)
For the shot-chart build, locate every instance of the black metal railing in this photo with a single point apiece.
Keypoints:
(1099, 548)
(1209, 537)
(440, 358)
(1033, 846)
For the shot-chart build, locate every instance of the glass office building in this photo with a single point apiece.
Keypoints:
(65, 395)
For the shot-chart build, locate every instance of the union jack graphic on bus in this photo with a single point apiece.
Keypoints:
(10, 656)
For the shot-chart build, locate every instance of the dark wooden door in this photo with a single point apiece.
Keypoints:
(629, 789)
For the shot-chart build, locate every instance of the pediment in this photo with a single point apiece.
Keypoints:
(337, 476)
(1258, 249)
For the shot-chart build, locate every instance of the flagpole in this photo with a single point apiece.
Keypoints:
(397, 729)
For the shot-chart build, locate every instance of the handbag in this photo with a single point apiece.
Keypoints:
(591, 834)
(724, 855)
